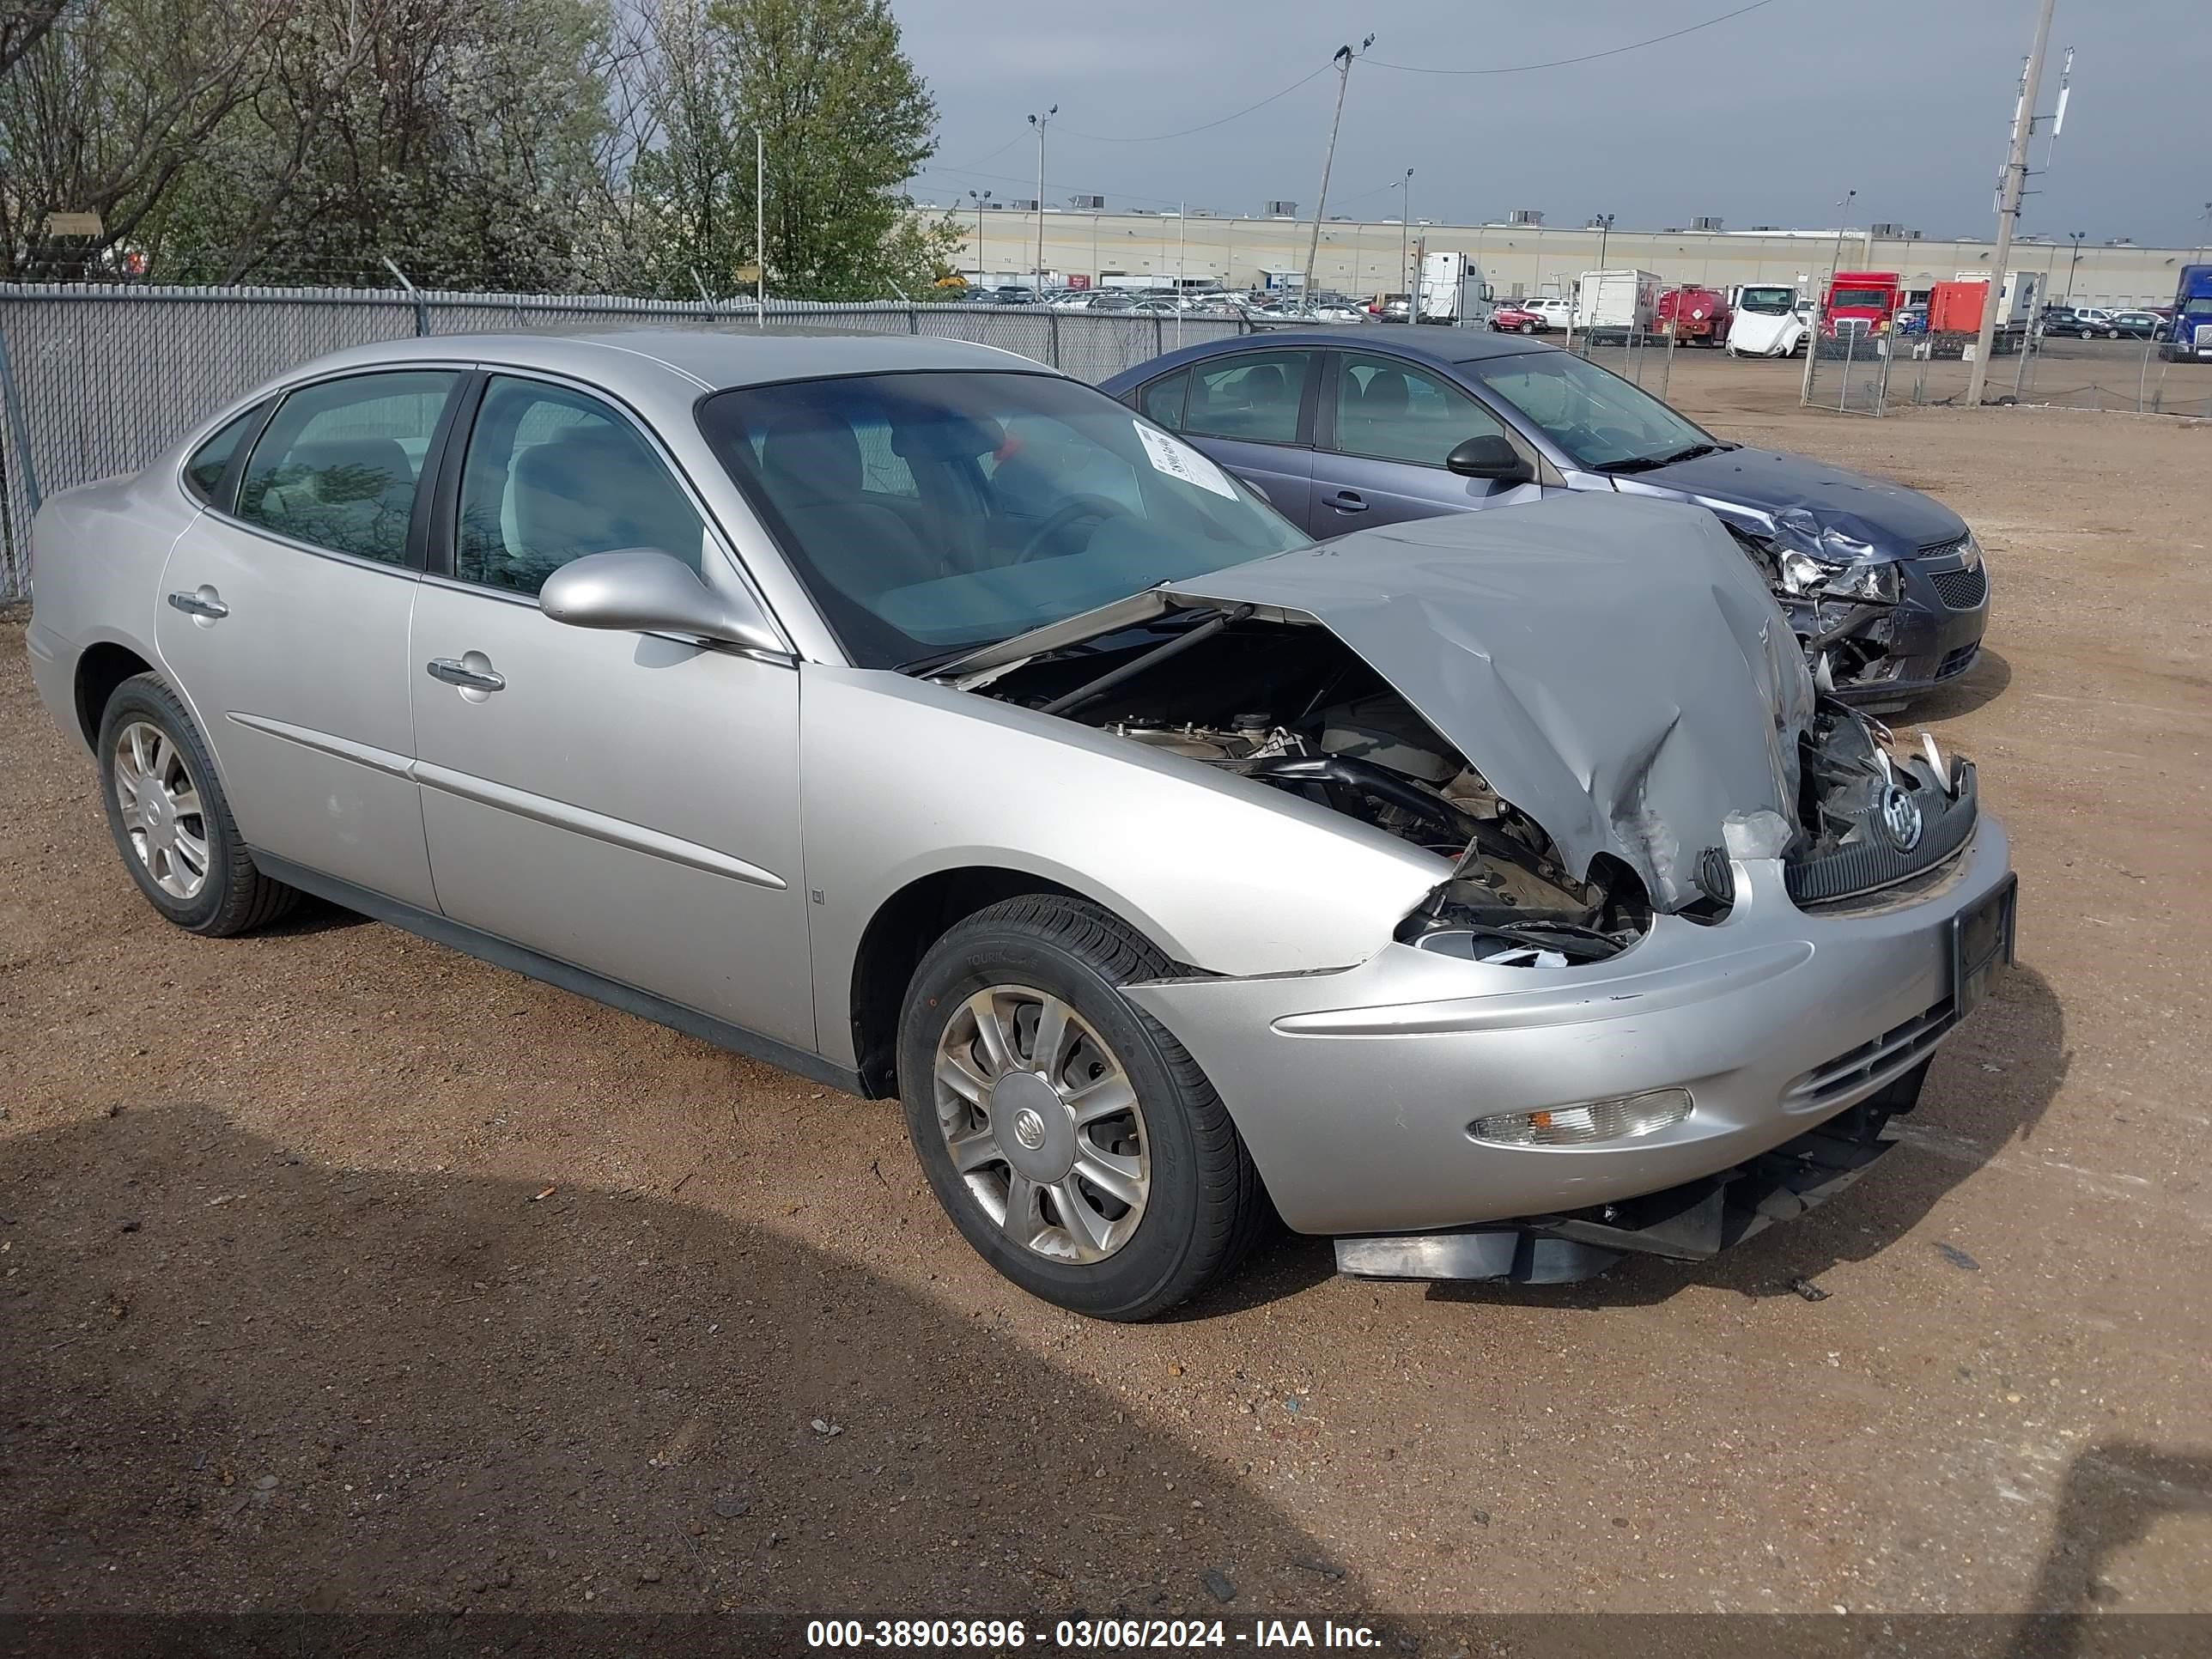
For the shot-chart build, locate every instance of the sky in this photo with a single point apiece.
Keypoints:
(1767, 118)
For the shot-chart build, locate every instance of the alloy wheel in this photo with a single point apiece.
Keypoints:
(160, 802)
(1043, 1124)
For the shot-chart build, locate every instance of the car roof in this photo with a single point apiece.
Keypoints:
(712, 357)
(1440, 348)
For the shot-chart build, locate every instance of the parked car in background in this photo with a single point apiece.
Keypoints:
(1493, 895)
(1511, 317)
(2091, 323)
(1913, 319)
(1406, 424)
(2137, 325)
(1555, 311)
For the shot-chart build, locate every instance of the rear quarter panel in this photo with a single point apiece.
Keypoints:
(96, 557)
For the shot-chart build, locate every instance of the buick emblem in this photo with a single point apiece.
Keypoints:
(1900, 817)
(1028, 1128)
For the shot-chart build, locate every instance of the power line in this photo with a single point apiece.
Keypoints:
(1586, 57)
(1205, 126)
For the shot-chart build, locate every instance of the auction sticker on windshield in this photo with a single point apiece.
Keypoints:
(1179, 460)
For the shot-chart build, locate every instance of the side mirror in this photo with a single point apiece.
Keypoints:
(1490, 457)
(643, 590)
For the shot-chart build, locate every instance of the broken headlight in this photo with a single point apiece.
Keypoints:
(1803, 575)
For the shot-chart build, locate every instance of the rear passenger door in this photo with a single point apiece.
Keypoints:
(284, 616)
(1386, 425)
(1253, 411)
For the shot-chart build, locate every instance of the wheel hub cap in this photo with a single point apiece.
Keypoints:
(1043, 1124)
(1032, 1127)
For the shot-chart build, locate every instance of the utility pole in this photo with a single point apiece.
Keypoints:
(1835, 258)
(1040, 122)
(1404, 228)
(2016, 180)
(1344, 56)
(2074, 236)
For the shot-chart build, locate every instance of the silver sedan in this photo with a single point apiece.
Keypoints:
(1495, 894)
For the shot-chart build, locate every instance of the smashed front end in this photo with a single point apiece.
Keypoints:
(1696, 928)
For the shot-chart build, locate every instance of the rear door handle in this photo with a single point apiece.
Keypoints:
(454, 671)
(1346, 501)
(202, 601)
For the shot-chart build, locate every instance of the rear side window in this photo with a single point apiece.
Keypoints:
(1162, 401)
(336, 467)
(203, 472)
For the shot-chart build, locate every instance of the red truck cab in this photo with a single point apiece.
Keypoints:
(1861, 302)
(1699, 315)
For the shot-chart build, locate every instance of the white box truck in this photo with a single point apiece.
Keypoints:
(2019, 301)
(1453, 290)
(1615, 304)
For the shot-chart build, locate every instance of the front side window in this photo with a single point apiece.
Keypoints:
(1392, 411)
(551, 475)
(1600, 420)
(204, 473)
(337, 465)
(1031, 498)
(1254, 396)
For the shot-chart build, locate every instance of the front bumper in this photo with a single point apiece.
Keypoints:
(1354, 1090)
(1933, 635)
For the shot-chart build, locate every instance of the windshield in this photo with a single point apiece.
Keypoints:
(2197, 308)
(1769, 302)
(1860, 299)
(1595, 416)
(928, 513)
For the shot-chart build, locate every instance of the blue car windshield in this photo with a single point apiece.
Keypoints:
(931, 512)
(1600, 420)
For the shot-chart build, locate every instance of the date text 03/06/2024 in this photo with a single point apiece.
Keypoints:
(1078, 1635)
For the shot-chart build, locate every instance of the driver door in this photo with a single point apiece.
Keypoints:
(1386, 425)
(627, 802)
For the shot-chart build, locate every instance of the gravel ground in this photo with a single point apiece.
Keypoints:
(339, 1271)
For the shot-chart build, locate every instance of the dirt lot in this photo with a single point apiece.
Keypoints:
(341, 1271)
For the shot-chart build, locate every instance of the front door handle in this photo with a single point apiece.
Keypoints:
(1347, 500)
(203, 601)
(470, 676)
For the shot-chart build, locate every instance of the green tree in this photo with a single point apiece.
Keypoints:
(844, 119)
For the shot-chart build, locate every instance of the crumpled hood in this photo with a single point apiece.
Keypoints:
(1615, 668)
(1896, 522)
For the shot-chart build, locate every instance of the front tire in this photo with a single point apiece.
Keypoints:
(171, 820)
(1075, 1144)
(1528, 328)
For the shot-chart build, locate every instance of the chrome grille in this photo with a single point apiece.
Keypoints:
(1962, 590)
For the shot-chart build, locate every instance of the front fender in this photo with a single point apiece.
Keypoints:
(902, 778)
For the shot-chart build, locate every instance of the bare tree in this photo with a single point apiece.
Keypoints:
(23, 23)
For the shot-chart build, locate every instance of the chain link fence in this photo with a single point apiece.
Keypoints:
(1643, 355)
(1861, 373)
(96, 381)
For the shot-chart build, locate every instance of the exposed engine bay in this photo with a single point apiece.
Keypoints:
(1292, 707)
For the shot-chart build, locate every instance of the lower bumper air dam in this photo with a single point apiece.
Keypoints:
(1693, 1222)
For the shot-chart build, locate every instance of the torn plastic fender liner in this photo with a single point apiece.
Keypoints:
(1615, 668)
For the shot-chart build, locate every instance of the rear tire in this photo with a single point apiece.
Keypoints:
(1177, 1202)
(171, 820)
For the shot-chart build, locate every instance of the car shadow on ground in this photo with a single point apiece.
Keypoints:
(1988, 1089)
(234, 1378)
(1984, 683)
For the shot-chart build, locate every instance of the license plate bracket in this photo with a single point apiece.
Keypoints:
(1982, 942)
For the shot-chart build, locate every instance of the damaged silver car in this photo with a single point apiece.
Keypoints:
(1496, 895)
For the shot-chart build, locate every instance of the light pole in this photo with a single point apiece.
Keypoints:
(979, 201)
(2074, 236)
(1040, 122)
(1344, 56)
(1405, 229)
(1604, 229)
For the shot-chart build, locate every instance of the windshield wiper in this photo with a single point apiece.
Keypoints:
(1651, 463)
